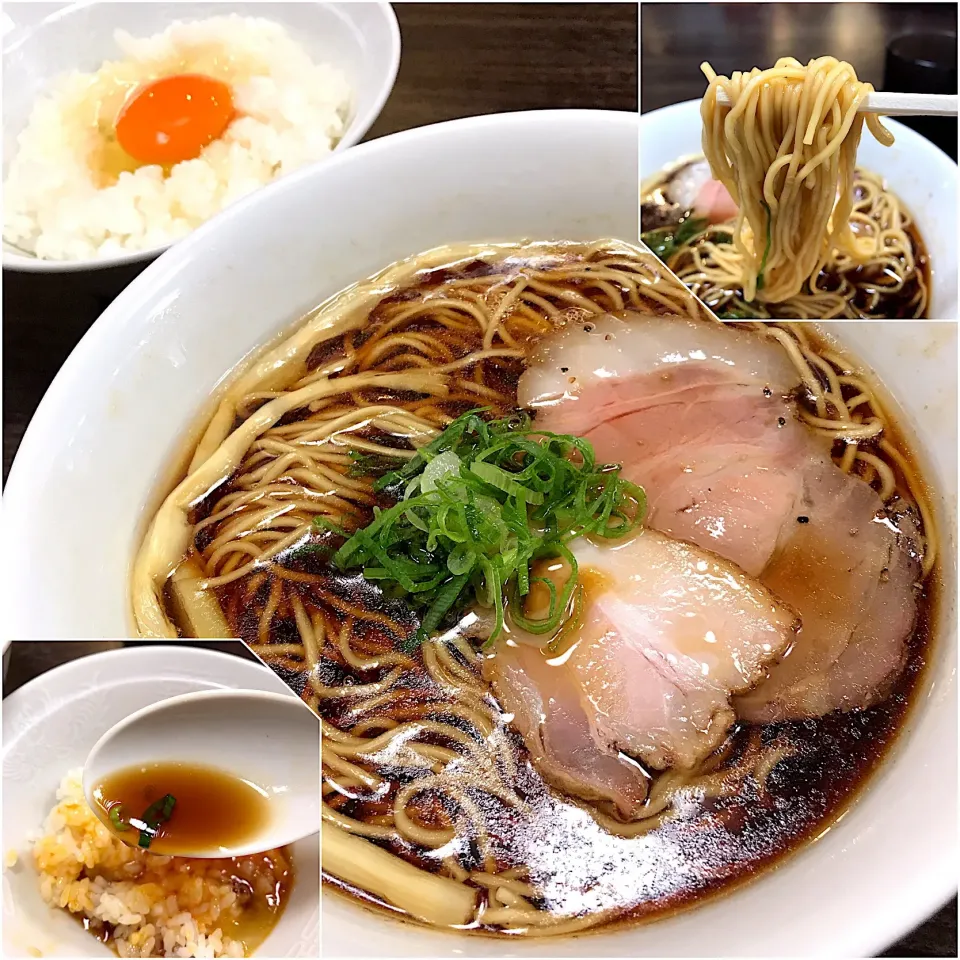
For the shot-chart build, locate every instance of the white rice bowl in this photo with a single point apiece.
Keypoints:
(291, 111)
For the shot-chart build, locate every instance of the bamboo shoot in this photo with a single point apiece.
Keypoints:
(424, 895)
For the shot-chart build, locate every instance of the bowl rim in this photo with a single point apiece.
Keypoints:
(357, 129)
(131, 651)
(680, 115)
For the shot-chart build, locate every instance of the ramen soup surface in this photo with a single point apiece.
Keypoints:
(693, 686)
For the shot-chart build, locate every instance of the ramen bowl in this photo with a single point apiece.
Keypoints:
(40, 43)
(121, 411)
(919, 173)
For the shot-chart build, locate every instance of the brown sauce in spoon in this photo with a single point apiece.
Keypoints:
(213, 811)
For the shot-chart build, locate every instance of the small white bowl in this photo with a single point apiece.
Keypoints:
(921, 175)
(49, 727)
(104, 438)
(362, 39)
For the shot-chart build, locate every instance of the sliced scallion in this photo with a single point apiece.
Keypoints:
(477, 507)
(158, 812)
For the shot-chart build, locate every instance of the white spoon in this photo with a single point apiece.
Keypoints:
(271, 740)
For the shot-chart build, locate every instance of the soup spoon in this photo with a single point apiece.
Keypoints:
(269, 740)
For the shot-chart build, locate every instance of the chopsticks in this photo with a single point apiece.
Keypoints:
(897, 104)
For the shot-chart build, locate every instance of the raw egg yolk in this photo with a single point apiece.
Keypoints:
(174, 118)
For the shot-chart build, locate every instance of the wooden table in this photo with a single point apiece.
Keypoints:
(458, 60)
(677, 38)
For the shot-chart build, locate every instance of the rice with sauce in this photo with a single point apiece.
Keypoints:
(147, 905)
(69, 197)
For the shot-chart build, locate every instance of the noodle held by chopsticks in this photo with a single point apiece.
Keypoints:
(785, 148)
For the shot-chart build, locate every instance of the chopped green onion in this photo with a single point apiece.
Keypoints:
(720, 237)
(321, 522)
(503, 481)
(666, 241)
(372, 464)
(445, 465)
(116, 817)
(476, 508)
(158, 812)
(766, 251)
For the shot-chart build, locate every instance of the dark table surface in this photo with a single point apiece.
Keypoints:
(458, 59)
(740, 36)
(677, 38)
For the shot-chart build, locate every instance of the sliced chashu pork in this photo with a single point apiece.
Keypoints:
(667, 635)
(701, 416)
(546, 708)
(688, 410)
(848, 572)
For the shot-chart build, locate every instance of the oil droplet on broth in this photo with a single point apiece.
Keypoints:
(214, 810)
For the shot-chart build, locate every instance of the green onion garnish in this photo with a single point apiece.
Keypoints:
(766, 249)
(371, 464)
(666, 241)
(158, 812)
(742, 312)
(116, 817)
(476, 507)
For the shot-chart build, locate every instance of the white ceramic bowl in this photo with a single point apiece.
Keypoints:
(922, 175)
(89, 466)
(49, 726)
(42, 41)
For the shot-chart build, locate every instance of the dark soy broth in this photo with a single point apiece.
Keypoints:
(214, 810)
(324, 630)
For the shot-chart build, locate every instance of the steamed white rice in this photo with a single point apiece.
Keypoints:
(152, 905)
(291, 111)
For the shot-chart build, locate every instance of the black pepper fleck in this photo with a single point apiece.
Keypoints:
(781, 421)
(767, 392)
(803, 519)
